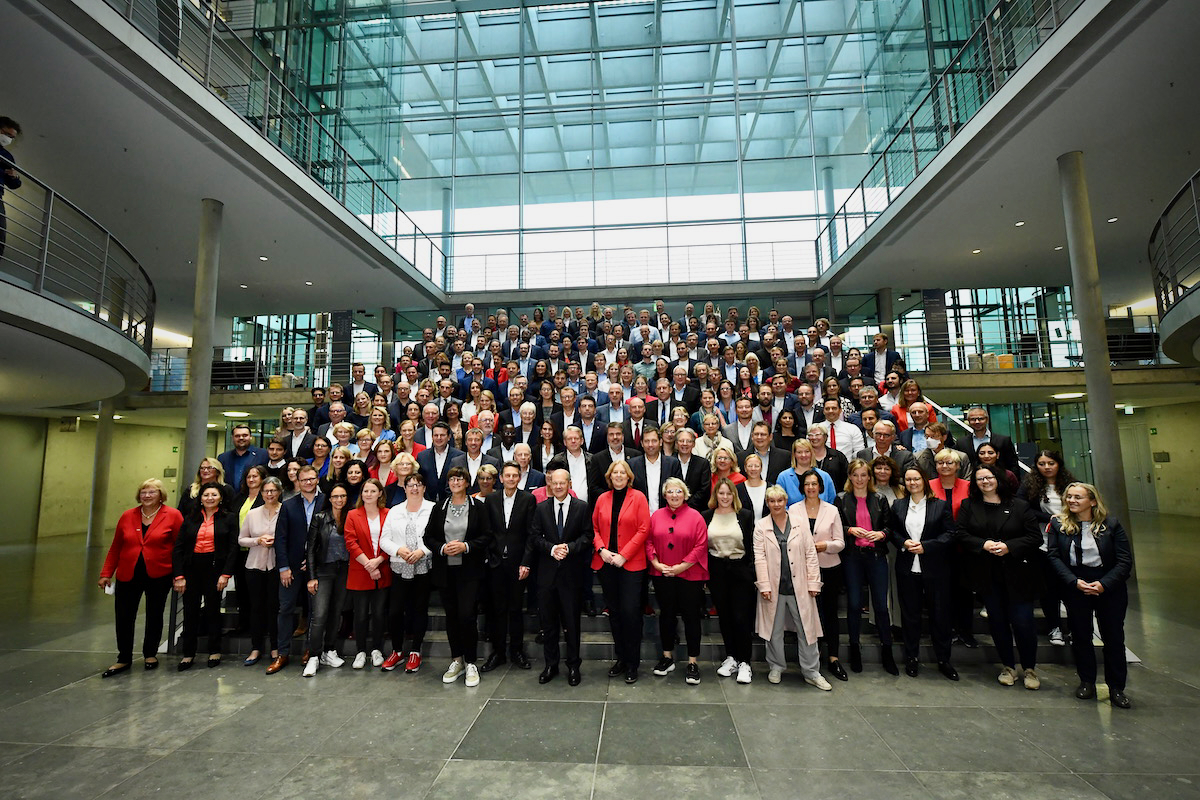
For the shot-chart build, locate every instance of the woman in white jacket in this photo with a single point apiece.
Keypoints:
(408, 598)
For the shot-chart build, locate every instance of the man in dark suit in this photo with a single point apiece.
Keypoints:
(658, 410)
(586, 480)
(979, 420)
(884, 438)
(435, 461)
(879, 362)
(616, 450)
(633, 427)
(774, 459)
(594, 431)
(695, 471)
(474, 458)
(652, 468)
(291, 537)
(509, 514)
(560, 543)
(359, 383)
(240, 457)
(299, 440)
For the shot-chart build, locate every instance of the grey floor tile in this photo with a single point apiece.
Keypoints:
(1006, 786)
(281, 725)
(792, 691)
(11, 752)
(160, 721)
(520, 684)
(865, 783)
(1140, 787)
(624, 781)
(1151, 687)
(961, 739)
(670, 688)
(981, 688)
(79, 773)
(504, 780)
(52, 716)
(534, 730)
(39, 673)
(804, 737)
(671, 735)
(183, 774)
(401, 727)
(321, 777)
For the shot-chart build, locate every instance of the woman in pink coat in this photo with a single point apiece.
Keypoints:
(788, 578)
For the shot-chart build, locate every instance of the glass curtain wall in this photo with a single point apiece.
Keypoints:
(618, 142)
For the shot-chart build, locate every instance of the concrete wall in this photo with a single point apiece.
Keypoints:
(1179, 436)
(21, 476)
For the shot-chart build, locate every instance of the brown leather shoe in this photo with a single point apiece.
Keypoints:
(278, 664)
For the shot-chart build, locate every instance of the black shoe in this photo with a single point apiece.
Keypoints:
(888, 660)
(214, 662)
(548, 674)
(1119, 700)
(855, 658)
(692, 674)
(574, 676)
(968, 641)
(947, 669)
(117, 670)
(617, 669)
(590, 609)
(838, 671)
(665, 666)
(631, 675)
(493, 661)
(184, 666)
(1086, 691)
(540, 638)
(150, 665)
(910, 667)
(520, 660)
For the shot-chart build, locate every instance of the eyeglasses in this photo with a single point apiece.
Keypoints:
(308, 480)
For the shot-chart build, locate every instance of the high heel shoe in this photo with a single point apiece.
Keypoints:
(855, 658)
(888, 660)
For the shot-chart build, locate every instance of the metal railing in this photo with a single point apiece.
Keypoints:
(1003, 42)
(201, 42)
(1174, 247)
(56, 249)
(233, 369)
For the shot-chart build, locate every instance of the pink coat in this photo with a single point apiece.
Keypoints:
(828, 530)
(806, 574)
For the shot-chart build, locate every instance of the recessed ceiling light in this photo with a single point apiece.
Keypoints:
(117, 416)
(244, 286)
(1067, 395)
(262, 258)
(1020, 223)
(976, 252)
(308, 283)
(1112, 219)
(1059, 247)
(235, 414)
(212, 424)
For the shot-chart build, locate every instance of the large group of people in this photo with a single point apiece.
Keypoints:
(726, 465)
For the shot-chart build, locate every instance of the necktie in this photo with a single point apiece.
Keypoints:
(560, 522)
(662, 414)
(832, 436)
(637, 434)
(767, 417)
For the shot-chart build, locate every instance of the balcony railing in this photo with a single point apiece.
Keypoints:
(1175, 247)
(233, 369)
(202, 43)
(1003, 42)
(57, 250)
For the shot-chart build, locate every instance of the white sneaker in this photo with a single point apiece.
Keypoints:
(360, 661)
(728, 667)
(310, 667)
(452, 672)
(376, 659)
(775, 675)
(819, 681)
(744, 674)
(330, 658)
(472, 676)
(1056, 638)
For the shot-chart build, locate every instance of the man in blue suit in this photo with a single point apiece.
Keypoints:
(241, 457)
(291, 537)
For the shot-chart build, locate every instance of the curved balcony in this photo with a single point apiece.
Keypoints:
(76, 308)
(1174, 251)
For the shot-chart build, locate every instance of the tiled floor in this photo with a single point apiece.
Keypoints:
(233, 731)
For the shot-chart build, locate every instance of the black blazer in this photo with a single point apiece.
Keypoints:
(510, 538)
(938, 536)
(1004, 448)
(699, 482)
(1016, 526)
(596, 483)
(461, 461)
(669, 469)
(319, 531)
(225, 548)
(603, 460)
(543, 535)
(1116, 556)
(435, 482)
(878, 509)
(477, 540)
(744, 497)
(745, 520)
(777, 461)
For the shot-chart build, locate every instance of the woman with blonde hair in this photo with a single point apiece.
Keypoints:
(677, 553)
(344, 435)
(802, 461)
(209, 471)
(406, 441)
(730, 528)
(712, 438)
(402, 466)
(865, 561)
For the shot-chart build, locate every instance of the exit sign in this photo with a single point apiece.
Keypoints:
(1154, 431)
(175, 449)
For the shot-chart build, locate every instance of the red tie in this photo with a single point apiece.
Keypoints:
(832, 436)
(637, 435)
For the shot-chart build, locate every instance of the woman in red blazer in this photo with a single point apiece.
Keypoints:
(140, 559)
(620, 525)
(368, 577)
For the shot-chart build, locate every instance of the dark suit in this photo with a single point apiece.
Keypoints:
(505, 552)
(777, 461)
(1004, 447)
(645, 422)
(868, 363)
(435, 482)
(461, 461)
(459, 583)
(291, 545)
(534, 479)
(558, 582)
(596, 484)
(669, 469)
(902, 458)
(305, 450)
(931, 586)
(599, 439)
(201, 571)
(604, 459)
(699, 481)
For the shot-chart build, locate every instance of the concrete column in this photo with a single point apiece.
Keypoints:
(887, 315)
(1107, 466)
(204, 315)
(101, 463)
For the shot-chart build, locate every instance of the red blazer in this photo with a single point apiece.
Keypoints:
(957, 494)
(358, 542)
(633, 526)
(156, 548)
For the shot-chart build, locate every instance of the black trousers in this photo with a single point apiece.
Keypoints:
(960, 596)
(262, 604)
(917, 591)
(201, 575)
(623, 594)
(1010, 618)
(506, 625)
(1109, 609)
(370, 606)
(129, 597)
(459, 597)
(733, 593)
(1052, 593)
(833, 580)
(679, 598)
(408, 612)
(559, 607)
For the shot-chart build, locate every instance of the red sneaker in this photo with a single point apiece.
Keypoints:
(392, 661)
(414, 662)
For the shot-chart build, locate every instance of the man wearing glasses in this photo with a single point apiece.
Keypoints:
(291, 535)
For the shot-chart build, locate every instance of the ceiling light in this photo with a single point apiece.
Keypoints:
(308, 283)
(262, 258)
(1059, 247)
(244, 286)
(235, 414)
(1112, 219)
(1020, 223)
(212, 424)
(976, 252)
(1068, 395)
(1129, 411)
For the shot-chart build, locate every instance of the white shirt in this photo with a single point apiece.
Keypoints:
(914, 526)
(683, 466)
(1091, 551)
(743, 433)
(615, 455)
(849, 438)
(473, 465)
(298, 439)
(653, 476)
(888, 400)
(880, 366)
(439, 459)
(507, 453)
(509, 501)
(807, 416)
(616, 414)
(577, 466)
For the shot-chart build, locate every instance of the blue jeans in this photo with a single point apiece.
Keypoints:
(866, 568)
